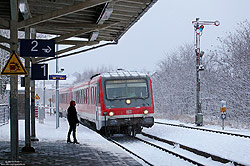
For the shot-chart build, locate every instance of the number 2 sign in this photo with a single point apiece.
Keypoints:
(37, 48)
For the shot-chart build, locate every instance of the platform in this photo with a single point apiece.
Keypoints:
(61, 153)
(52, 149)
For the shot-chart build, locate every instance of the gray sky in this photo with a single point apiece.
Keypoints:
(165, 27)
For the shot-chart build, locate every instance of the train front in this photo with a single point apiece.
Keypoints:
(128, 101)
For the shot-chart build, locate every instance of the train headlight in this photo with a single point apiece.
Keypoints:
(128, 101)
(111, 113)
(145, 112)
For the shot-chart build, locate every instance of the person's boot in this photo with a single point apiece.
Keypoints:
(69, 141)
(75, 141)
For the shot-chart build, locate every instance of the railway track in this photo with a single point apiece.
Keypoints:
(176, 154)
(123, 147)
(202, 129)
(155, 146)
(171, 152)
(174, 144)
(181, 157)
(195, 151)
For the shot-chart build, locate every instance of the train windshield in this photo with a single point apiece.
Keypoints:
(122, 89)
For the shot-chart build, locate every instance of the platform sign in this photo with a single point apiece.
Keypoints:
(14, 66)
(39, 72)
(57, 77)
(37, 48)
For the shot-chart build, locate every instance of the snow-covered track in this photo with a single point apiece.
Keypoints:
(123, 147)
(203, 129)
(195, 151)
(170, 152)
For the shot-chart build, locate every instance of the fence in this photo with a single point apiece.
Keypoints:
(4, 114)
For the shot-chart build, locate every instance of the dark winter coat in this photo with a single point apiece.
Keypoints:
(72, 116)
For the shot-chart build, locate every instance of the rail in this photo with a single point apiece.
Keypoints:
(203, 129)
(4, 114)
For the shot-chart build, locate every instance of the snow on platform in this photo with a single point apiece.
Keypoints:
(52, 149)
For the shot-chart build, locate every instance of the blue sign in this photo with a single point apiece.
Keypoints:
(57, 77)
(39, 72)
(37, 48)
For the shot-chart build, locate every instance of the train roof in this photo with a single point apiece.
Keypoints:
(123, 73)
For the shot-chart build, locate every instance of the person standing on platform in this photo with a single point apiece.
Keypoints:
(73, 121)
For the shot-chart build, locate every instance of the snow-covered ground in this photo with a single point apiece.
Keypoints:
(229, 147)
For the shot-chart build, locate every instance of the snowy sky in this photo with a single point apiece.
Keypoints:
(165, 27)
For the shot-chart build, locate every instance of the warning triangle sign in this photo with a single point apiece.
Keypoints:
(14, 66)
(37, 97)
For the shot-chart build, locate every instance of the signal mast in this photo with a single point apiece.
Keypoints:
(198, 28)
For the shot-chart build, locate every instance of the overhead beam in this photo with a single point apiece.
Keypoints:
(72, 34)
(76, 52)
(72, 42)
(67, 25)
(63, 2)
(76, 47)
(80, 32)
(61, 12)
(81, 44)
(136, 1)
(4, 40)
(5, 23)
(5, 48)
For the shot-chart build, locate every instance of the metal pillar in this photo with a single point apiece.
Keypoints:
(27, 147)
(44, 93)
(32, 83)
(198, 27)
(13, 84)
(57, 93)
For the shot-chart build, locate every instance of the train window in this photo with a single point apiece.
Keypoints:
(87, 95)
(76, 97)
(81, 96)
(92, 95)
(84, 96)
(96, 95)
(121, 89)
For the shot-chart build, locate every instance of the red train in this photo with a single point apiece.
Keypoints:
(113, 102)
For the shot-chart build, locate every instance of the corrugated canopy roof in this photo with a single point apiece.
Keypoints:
(91, 20)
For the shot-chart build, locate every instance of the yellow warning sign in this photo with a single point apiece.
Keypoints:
(14, 66)
(223, 109)
(37, 97)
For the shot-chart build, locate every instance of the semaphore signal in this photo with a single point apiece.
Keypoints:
(198, 28)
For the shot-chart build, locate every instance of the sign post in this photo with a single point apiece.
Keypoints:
(223, 109)
(57, 77)
(50, 100)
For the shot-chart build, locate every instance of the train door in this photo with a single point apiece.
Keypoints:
(98, 107)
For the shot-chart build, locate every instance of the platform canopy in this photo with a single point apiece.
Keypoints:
(91, 21)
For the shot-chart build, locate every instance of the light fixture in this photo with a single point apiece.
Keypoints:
(94, 36)
(128, 101)
(145, 112)
(106, 13)
(111, 113)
